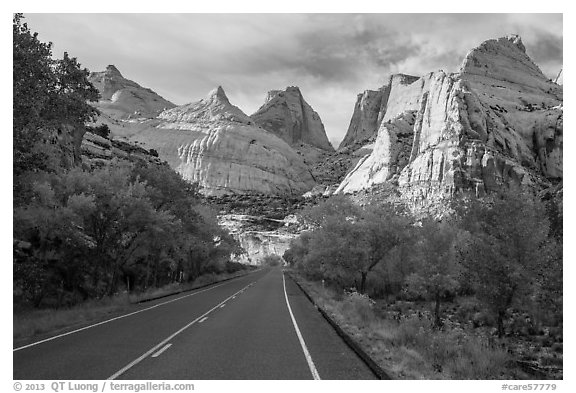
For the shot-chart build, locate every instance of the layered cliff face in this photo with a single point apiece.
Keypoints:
(99, 151)
(122, 98)
(287, 115)
(257, 242)
(364, 123)
(215, 144)
(370, 109)
(497, 122)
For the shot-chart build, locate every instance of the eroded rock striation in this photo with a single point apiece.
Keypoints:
(498, 121)
(98, 151)
(214, 143)
(287, 115)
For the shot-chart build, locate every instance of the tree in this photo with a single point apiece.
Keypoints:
(436, 274)
(48, 95)
(383, 227)
(503, 245)
(298, 249)
(350, 240)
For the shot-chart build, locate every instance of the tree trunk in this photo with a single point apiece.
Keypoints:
(112, 283)
(363, 282)
(147, 279)
(437, 320)
(501, 324)
(77, 136)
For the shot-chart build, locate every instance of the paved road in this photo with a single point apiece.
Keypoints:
(240, 329)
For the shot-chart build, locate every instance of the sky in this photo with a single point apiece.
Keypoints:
(331, 57)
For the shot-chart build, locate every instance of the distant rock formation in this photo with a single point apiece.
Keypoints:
(287, 115)
(124, 101)
(497, 122)
(364, 123)
(257, 242)
(215, 144)
(370, 110)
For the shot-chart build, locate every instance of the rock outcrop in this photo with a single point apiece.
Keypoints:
(370, 109)
(123, 99)
(262, 224)
(98, 151)
(364, 123)
(287, 115)
(495, 123)
(256, 241)
(215, 144)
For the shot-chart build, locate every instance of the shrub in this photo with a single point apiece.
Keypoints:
(358, 307)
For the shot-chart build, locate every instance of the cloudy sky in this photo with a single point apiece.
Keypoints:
(331, 57)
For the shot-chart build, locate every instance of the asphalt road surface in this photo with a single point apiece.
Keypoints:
(259, 326)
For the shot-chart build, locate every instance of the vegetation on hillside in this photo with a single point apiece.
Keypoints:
(489, 274)
(80, 233)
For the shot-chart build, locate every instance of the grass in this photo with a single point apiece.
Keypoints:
(409, 347)
(34, 323)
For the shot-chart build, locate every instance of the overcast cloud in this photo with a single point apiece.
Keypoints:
(331, 57)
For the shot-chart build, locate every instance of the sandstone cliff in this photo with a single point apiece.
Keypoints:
(215, 144)
(122, 98)
(496, 122)
(256, 241)
(125, 106)
(364, 123)
(287, 115)
(370, 109)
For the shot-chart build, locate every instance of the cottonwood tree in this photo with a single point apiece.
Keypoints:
(436, 273)
(504, 244)
(350, 241)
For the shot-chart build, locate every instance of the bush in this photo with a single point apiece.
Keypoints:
(358, 307)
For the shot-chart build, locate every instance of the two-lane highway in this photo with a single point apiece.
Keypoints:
(259, 326)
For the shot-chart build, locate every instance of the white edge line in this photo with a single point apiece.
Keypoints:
(309, 360)
(161, 351)
(203, 319)
(119, 317)
(163, 342)
(110, 320)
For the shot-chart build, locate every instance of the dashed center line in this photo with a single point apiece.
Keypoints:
(203, 319)
(162, 350)
(222, 306)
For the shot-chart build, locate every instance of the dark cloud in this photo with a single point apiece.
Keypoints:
(332, 57)
(547, 47)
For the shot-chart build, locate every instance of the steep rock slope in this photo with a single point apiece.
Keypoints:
(370, 110)
(123, 98)
(496, 122)
(287, 115)
(364, 122)
(215, 144)
(125, 106)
